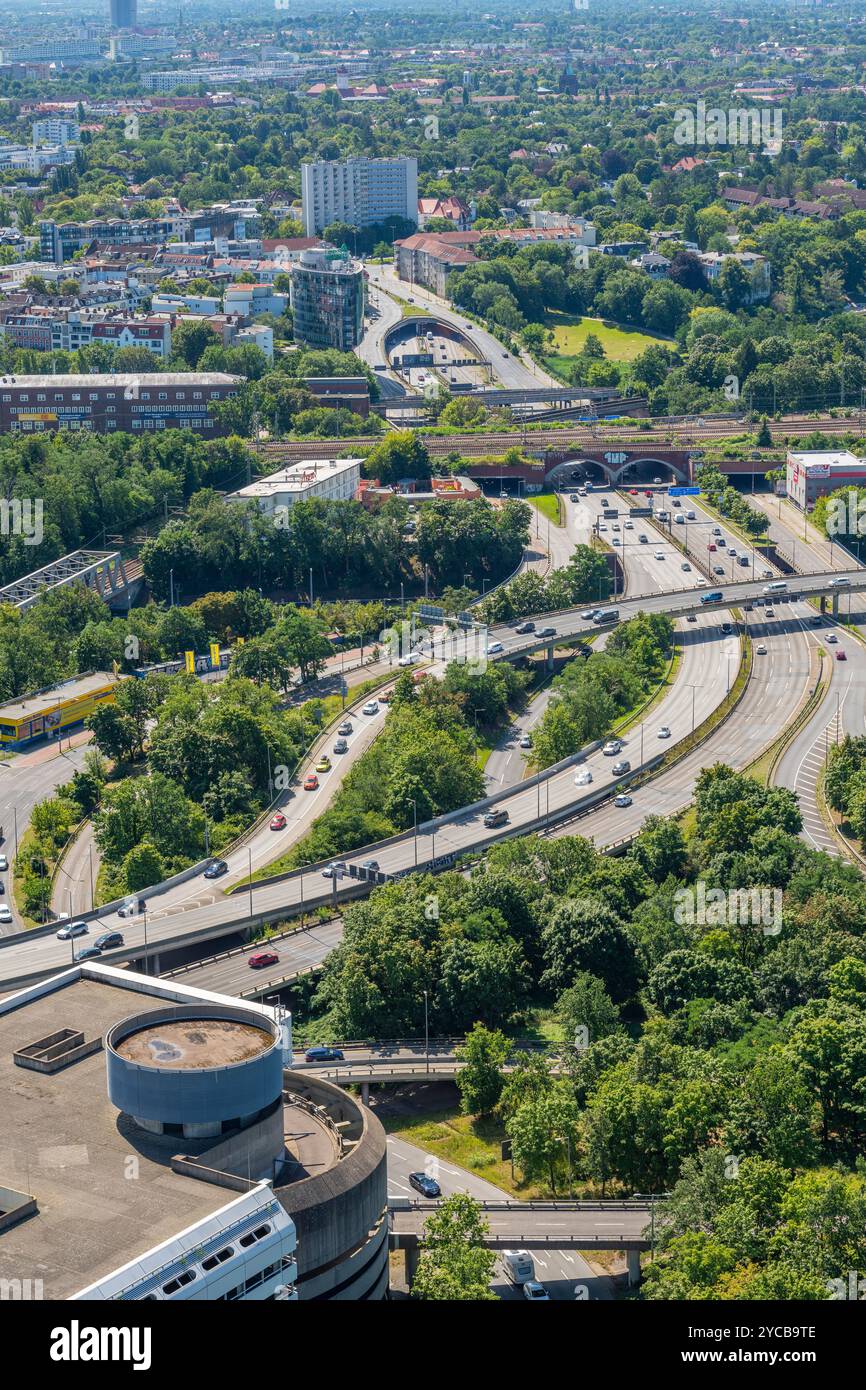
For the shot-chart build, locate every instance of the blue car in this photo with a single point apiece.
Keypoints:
(323, 1054)
(428, 1187)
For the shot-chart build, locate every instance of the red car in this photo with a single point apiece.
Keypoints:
(840, 655)
(263, 958)
(278, 822)
(311, 782)
(711, 546)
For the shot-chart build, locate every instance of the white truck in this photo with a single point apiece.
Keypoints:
(518, 1266)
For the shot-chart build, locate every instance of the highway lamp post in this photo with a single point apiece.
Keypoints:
(250, 864)
(90, 862)
(171, 588)
(15, 818)
(146, 959)
(311, 586)
(415, 826)
(426, 1035)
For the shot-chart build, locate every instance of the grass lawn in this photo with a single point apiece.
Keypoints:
(548, 504)
(570, 333)
(468, 1142)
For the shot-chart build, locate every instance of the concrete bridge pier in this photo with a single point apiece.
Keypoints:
(411, 1256)
(549, 661)
(365, 1092)
(633, 1268)
(835, 603)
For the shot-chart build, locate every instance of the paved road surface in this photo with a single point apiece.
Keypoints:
(558, 1270)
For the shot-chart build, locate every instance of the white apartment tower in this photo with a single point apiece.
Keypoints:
(359, 191)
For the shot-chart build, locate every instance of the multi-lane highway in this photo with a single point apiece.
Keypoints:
(565, 1273)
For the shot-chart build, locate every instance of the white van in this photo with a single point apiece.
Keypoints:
(777, 587)
(518, 1266)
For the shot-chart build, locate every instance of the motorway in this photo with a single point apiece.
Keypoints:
(843, 708)
(559, 1270)
(509, 370)
(25, 779)
(708, 662)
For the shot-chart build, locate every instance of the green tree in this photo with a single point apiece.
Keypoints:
(455, 1265)
(480, 1079)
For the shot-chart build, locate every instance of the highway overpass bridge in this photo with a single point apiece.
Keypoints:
(603, 1225)
(537, 803)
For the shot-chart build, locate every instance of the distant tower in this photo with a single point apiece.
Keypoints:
(123, 13)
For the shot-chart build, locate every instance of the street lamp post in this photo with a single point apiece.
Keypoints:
(146, 960)
(415, 826)
(426, 1035)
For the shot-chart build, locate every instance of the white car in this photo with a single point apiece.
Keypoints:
(493, 648)
(408, 660)
(617, 541)
(831, 637)
(622, 800)
(660, 555)
(128, 910)
(5, 913)
(629, 525)
(526, 741)
(371, 707)
(4, 863)
(583, 777)
(612, 747)
(664, 731)
(336, 869)
(535, 1292)
(761, 649)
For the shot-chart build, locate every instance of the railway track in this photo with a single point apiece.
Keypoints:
(473, 445)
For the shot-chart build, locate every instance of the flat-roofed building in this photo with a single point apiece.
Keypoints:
(813, 473)
(335, 480)
(115, 401)
(49, 713)
(157, 1146)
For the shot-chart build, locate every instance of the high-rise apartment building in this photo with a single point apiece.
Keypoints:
(328, 300)
(123, 13)
(359, 191)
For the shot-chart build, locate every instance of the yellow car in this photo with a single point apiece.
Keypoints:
(323, 765)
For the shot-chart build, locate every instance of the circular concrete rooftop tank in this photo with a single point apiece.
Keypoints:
(194, 1069)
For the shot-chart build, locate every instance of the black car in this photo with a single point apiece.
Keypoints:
(323, 1054)
(108, 941)
(88, 953)
(216, 869)
(525, 627)
(428, 1187)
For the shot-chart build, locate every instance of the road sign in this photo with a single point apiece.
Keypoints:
(684, 492)
(641, 511)
(430, 610)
